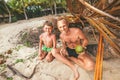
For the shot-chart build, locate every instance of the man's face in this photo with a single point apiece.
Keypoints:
(48, 29)
(62, 26)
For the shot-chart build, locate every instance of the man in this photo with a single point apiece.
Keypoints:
(71, 38)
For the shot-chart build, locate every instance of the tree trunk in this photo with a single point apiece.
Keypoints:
(26, 17)
(52, 10)
(8, 12)
(55, 7)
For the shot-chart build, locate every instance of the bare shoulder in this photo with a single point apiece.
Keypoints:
(75, 30)
(41, 35)
(61, 35)
(53, 35)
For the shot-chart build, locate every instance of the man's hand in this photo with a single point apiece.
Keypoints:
(63, 52)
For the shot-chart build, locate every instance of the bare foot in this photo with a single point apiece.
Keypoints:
(76, 73)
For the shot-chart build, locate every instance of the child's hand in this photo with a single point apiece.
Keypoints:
(39, 53)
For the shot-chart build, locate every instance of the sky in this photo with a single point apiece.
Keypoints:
(6, 0)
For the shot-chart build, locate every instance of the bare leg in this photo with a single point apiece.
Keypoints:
(49, 57)
(42, 56)
(56, 54)
(77, 61)
(84, 61)
(89, 64)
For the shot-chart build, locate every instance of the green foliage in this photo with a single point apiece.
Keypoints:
(24, 35)
(24, 9)
(27, 43)
(2, 67)
(14, 19)
(19, 60)
(18, 48)
(9, 78)
(2, 9)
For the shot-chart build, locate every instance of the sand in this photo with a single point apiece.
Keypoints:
(54, 70)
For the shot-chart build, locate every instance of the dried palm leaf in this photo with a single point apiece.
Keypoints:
(69, 5)
(112, 4)
(93, 31)
(75, 7)
(106, 29)
(113, 10)
(98, 27)
(109, 24)
(101, 4)
(98, 11)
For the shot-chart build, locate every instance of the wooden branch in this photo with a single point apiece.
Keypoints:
(99, 60)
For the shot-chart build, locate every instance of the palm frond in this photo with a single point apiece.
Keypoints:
(106, 29)
(114, 26)
(106, 36)
(112, 4)
(98, 11)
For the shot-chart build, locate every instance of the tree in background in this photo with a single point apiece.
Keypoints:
(5, 9)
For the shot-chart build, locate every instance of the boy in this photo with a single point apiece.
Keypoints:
(47, 42)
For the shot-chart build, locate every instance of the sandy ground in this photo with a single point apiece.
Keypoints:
(25, 59)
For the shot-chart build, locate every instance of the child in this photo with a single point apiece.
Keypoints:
(47, 42)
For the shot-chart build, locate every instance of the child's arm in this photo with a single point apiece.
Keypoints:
(54, 41)
(40, 44)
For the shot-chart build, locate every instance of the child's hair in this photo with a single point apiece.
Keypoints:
(48, 23)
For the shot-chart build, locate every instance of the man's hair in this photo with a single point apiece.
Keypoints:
(62, 18)
(48, 23)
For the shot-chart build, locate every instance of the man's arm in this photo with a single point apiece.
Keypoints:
(63, 49)
(83, 38)
(63, 42)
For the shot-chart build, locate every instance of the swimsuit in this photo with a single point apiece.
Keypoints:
(44, 48)
(72, 52)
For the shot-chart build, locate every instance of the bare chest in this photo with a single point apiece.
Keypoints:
(71, 38)
(47, 39)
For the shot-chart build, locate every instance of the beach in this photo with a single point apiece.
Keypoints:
(26, 61)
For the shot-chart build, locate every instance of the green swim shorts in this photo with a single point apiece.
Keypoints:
(44, 48)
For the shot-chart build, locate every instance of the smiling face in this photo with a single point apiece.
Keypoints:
(62, 25)
(48, 29)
